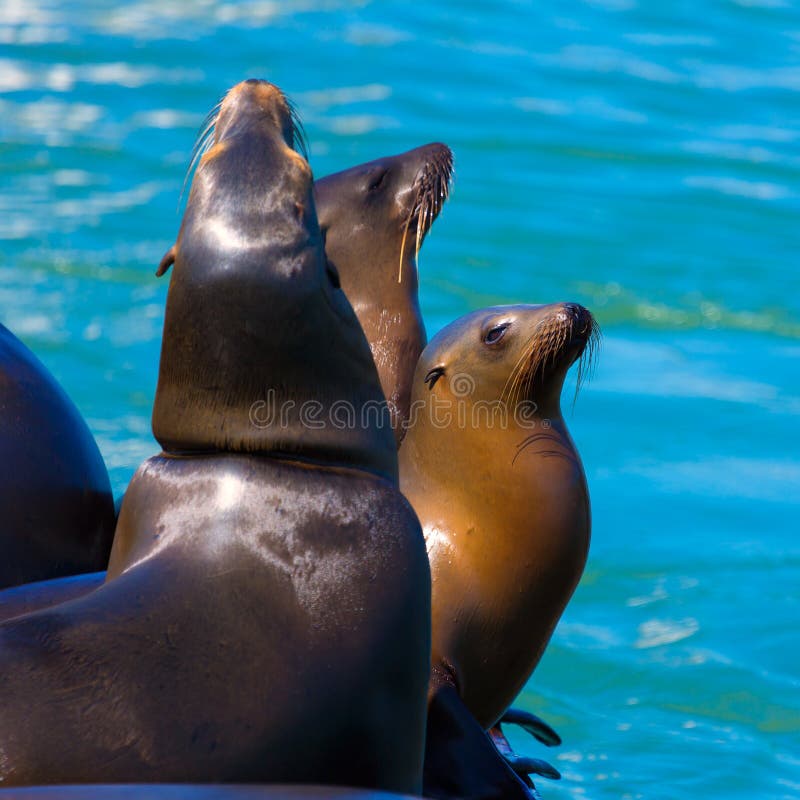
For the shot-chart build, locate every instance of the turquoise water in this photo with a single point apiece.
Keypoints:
(639, 157)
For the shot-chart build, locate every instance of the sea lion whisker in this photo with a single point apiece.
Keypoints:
(529, 351)
(299, 137)
(524, 371)
(513, 375)
(421, 219)
(403, 248)
(549, 341)
(203, 142)
(527, 369)
(588, 358)
(539, 351)
(530, 367)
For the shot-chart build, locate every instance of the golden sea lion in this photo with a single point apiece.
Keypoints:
(497, 483)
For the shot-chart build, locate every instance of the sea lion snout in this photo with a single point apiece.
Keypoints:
(258, 105)
(263, 92)
(430, 160)
(578, 316)
(580, 329)
(428, 180)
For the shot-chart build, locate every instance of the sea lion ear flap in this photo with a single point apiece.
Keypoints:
(434, 375)
(167, 261)
(460, 759)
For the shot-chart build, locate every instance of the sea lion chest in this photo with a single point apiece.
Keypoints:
(250, 604)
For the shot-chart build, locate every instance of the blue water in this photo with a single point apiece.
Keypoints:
(642, 158)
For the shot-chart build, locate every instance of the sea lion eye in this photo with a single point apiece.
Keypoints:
(494, 335)
(433, 376)
(378, 180)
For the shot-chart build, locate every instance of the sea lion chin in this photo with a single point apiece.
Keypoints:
(375, 217)
(493, 474)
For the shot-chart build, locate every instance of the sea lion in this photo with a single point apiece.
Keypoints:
(267, 605)
(375, 217)
(55, 497)
(497, 483)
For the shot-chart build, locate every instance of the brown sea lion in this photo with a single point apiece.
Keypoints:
(267, 604)
(375, 217)
(497, 483)
(55, 497)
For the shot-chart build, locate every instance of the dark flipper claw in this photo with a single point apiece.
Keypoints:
(533, 766)
(534, 725)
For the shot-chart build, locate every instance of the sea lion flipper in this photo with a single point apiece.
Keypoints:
(460, 759)
(522, 765)
(166, 262)
(532, 724)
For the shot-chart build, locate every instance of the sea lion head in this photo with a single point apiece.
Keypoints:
(375, 217)
(262, 352)
(381, 211)
(515, 355)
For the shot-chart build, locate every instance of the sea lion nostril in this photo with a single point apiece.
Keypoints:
(578, 315)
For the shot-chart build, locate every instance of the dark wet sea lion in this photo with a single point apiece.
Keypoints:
(195, 410)
(375, 217)
(491, 470)
(267, 604)
(55, 498)
(370, 215)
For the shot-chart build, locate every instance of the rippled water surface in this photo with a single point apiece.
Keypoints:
(639, 157)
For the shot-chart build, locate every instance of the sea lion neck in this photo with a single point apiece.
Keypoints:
(261, 352)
